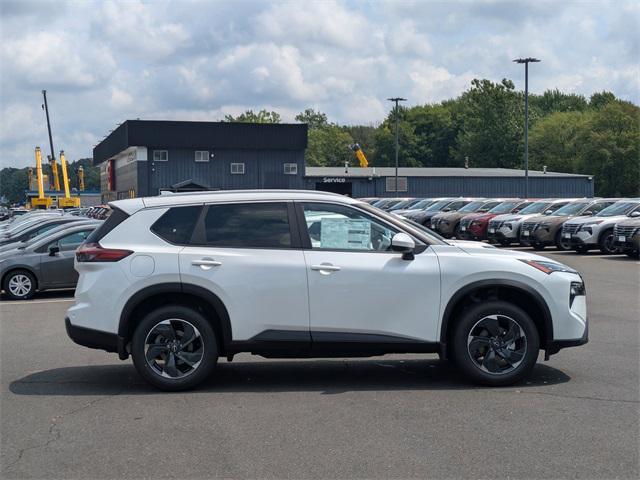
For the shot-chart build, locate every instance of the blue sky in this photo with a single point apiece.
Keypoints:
(104, 62)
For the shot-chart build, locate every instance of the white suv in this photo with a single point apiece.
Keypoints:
(179, 280)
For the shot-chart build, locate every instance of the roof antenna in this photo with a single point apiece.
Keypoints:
(466, 162)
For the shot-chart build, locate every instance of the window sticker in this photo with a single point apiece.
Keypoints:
(345, 234)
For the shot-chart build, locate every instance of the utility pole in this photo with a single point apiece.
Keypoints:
(397, 111)
(526, 62)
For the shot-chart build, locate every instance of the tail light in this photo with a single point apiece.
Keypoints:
(94, 252)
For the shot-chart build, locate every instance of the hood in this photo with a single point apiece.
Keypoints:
(502, 252)
(590, 219)
(470, 244)
(11, 253)
(551, 219)
(506, 217)
(452, 216)
(480, 216)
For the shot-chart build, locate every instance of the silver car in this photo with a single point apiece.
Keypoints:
(44, 264)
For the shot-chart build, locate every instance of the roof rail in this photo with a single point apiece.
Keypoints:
(256, 190)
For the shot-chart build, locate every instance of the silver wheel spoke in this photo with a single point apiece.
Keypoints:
(497, 344)
(174, 348)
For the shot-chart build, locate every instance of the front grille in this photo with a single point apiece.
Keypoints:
(531, 226)
(570, 228)
(626, 230)
(495, 224)
(435, 222)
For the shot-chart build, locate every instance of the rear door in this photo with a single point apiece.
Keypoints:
(57, 269)
(249, 255)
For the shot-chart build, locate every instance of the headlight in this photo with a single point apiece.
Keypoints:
(508, 225)
(577, 289)
(587, 226)
(548, 267)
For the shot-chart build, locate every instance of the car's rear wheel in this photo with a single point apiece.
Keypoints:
(606, 243)
(174, 348)
(505, 242)
(19, 285)
(495, 343)
(581, 249)
(561, 242)
(633, 254)
(538, 246)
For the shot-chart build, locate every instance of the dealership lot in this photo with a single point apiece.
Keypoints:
(67, 411)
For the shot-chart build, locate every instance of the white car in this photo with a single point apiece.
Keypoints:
(505, 229)
(586, 233)
(179, 280)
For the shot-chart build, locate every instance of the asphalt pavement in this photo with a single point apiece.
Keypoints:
(70, 412)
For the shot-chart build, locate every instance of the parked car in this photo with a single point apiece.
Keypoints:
(586, 233)
(42, 265)
(5, 213)
(542, 231)
(46, 233)
(505, 229)
(475, 225)
(174, 273)
(626, 235)
(35, 228)
(448, 224)
(369, 200)
(449, 205)
(406, 204)
(388, 203)
(419, 205)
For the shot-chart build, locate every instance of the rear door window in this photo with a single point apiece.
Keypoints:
(247, 225)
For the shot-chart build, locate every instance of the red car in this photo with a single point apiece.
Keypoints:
(474, 226)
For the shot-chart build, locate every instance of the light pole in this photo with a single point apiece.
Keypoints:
(396, 100)
(526, 62)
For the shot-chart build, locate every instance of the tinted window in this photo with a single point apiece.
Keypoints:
(72, 241)
(336, 227)
(115, 219)
(248, 225)
(571, 209)
(177, 224)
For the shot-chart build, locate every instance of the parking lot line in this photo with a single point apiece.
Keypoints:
(33, 302)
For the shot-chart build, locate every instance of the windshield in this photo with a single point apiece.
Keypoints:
(505, 207)
(438, 206)
(620, 208)
(403, 204)
(535, 207)
(424, 229)
(471, 207)
(571, 209)
(422, 204)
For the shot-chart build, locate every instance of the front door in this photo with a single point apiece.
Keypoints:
(360, 290)
(57, 270)
(249, 256)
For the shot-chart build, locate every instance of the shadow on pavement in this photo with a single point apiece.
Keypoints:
(47, 295)
(326, 376)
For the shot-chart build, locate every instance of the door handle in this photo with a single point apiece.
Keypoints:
(325, 267)
(206, 263)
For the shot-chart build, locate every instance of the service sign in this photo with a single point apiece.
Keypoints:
(333, 180)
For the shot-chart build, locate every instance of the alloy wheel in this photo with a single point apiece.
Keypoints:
(608, 245)
(173, 348)
(20, 285)
(497, 344)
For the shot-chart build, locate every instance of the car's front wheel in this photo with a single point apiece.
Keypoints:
(19, 285)
(606, 243)
(562, 243)
(174, 348)
(495, 343)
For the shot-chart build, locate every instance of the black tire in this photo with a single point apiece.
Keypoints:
(179, 316)
(456, 231)
(562, 244)
(605, 242)
(505, 243)
(538, 246)
(471, 320)
(26, 278)
(633, 254)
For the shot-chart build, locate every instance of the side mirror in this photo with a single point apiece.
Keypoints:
(53, 250)
(635, 214)
(588, 213)
(446, 209)
(548, 212)
(401, 242)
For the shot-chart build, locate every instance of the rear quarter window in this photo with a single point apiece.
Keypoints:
(177, 224)
(115, 219)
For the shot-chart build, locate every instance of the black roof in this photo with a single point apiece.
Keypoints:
(205, 135)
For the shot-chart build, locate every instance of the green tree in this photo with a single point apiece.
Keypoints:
(312, 118)
(263, 116)
(553, 101)
(491, 125)
(329, 147)
(600, 99)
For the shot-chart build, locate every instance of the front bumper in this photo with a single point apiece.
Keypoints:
(88, 337)
(629, 243)
(555, 346)
(542, 236)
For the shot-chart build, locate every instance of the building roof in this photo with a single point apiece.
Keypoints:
(428, 172)
(205, 135)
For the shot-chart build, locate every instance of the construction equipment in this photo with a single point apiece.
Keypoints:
(54, 172)
(41, 201)
(360, 154)
(81, 178)
(52, 159)
(30, 178)
(67, 201)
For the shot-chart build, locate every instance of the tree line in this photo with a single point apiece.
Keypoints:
(484, 127)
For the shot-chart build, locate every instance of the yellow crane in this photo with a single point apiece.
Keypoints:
(54, 173)
(81, 178)
(360, 155)
(41, 201)
(67, 201)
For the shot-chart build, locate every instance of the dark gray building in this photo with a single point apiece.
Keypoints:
(141, 158)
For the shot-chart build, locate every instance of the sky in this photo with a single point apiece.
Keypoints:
(104, 62)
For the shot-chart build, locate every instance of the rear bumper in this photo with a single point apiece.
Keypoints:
(88, 337)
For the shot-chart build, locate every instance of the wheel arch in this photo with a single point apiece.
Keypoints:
(502, 289)
(185, 294)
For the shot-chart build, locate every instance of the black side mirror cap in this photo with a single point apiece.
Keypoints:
(53, 250)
